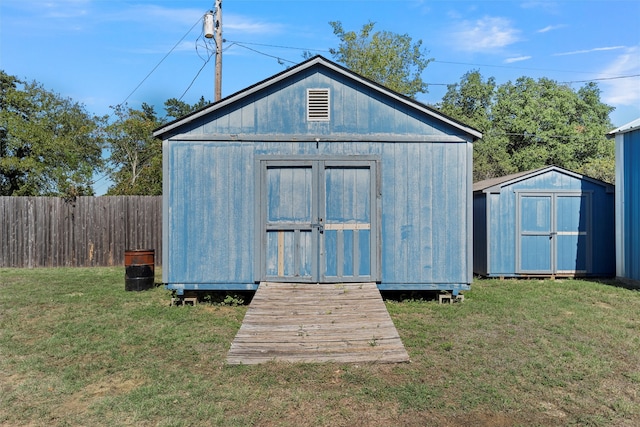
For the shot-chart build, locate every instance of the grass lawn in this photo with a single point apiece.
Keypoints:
(76, 349)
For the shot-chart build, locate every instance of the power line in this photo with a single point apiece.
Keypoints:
(162, 60)
(510, 67)
(602, 78)
(265, 54)
(281, 47)
(243, 44)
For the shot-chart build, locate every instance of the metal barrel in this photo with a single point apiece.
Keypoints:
(139, 266)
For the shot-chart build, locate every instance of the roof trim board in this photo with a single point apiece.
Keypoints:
(314, 139)
(494, 185)
(631, 126)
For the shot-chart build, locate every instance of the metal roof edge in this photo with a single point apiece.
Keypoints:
(494, 184)
(633, 125)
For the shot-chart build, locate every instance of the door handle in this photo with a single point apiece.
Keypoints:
(319, 226)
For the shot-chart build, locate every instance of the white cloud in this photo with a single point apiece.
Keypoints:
(517, 59)
(626, 90)
(49, 17)
(248, 25)
(551, 28)
(61, 9)
(546, 6)
(152, 14)
(486, 35)
(185, 18)
(595, 49)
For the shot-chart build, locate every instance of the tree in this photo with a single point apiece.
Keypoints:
(531, 123)
(135, 162)
(49, 145)
(387, 58)
(176, 108)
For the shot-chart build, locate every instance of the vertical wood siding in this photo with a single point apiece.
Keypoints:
(281, 110)
(87, 231)
(210, 223)
(631, 205)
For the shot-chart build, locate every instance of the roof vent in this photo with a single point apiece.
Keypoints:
(317, 105)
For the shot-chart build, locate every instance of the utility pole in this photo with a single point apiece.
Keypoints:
(218, 28)
(212, 28)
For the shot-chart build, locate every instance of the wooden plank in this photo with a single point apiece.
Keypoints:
(86, 231)
(295, 322)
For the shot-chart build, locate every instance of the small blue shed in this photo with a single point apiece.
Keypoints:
(317, 175)
(627, 139)
(544, 222)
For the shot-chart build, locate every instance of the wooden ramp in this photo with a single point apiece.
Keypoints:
(294, 322)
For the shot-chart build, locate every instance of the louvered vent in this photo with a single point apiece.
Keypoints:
(317, 104)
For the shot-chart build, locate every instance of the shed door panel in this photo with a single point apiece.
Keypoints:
(347, 214)
(289, 204)
(535, 254)
(553, 233)
(572, 219)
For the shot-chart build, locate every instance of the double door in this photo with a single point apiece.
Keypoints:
(318, 221)
(553, 233)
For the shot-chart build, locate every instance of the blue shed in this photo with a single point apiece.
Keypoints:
(317, 175)
(627, 139)
(545, 222)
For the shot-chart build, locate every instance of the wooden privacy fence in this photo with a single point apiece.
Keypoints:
(82, 232)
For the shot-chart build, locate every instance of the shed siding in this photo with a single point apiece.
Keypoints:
(631, 208)
(211, 213)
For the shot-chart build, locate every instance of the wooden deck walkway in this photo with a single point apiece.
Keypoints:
(294, 322)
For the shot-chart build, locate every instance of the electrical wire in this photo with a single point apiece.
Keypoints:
(162, 60)
(243, 44)
(601, 79)
(280, 60)
(194, 79)
(281, 47)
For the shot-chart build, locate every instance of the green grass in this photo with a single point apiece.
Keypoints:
(76, 349)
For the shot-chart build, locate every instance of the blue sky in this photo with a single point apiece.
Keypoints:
(105, 52)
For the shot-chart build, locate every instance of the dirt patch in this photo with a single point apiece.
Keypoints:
(603, 305)
(491, 419)
(81, 401)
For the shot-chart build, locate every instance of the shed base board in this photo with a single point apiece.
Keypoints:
(454, 288)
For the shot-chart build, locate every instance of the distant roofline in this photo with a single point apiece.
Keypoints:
(633, 125)
(494, 184)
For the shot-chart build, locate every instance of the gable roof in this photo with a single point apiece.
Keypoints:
(316, 61)
(495, 184)
(626, 128)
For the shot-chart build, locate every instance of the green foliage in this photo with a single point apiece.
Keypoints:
(389, 59)
(176, 108)
(135, 163)
(226, 298)
(136, 157)
(529, 124)
(49, 145)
